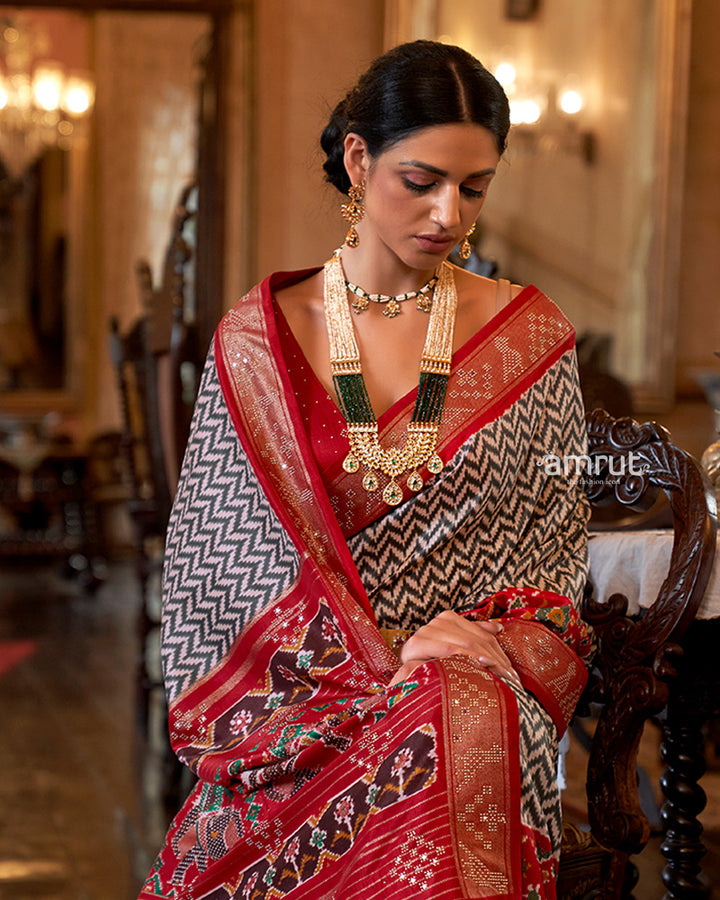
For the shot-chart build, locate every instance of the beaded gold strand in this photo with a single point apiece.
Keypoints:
(424, 427)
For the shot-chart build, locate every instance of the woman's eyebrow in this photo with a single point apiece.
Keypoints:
(441, 172)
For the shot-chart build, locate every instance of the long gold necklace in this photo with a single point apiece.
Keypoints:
(424, 427)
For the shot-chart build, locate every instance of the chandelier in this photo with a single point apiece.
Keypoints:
(40, 104)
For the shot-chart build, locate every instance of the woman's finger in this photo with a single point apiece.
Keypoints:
(508, 672)
(444, 636)
(448, 634)
(405, 671)
(491, 625)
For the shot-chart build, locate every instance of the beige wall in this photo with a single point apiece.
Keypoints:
(308, 52)
(698, 307)
(290, 62)
(580, 228)
(146, 116)
(280, 214)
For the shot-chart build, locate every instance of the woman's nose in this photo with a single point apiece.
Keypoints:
(447, 208)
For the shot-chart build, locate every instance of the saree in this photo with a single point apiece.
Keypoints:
(285, 589)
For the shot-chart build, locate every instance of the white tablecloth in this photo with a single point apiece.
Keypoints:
(635, 563)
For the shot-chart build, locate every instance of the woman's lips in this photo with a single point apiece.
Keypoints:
(435, 243)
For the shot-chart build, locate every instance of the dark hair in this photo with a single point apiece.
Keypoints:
(413, 86)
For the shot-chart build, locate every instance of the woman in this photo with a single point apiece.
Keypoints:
(370, 636)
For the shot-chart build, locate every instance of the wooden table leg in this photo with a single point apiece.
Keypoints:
(693, 698)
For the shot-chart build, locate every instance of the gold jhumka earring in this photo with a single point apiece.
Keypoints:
(353, 212)
(466, 247)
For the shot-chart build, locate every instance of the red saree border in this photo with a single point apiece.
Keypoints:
(247, 335)
(547, 667)
(485, 814)
(208, 698)
(530, 302)
(253, 384)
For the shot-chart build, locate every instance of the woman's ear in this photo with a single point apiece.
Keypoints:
(357, 158)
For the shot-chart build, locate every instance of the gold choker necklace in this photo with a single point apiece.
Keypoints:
(424, 427)
(392, 303)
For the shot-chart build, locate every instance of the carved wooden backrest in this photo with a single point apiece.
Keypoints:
(629, 464)
(171, 335)
(157, 368)
(139, 399)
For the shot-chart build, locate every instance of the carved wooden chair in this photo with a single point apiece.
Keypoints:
(603, 390)
(157, 369)
(634, 664)
(172, 344)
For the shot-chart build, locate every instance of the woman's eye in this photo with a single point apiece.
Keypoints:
(422, 187)
(418, 187)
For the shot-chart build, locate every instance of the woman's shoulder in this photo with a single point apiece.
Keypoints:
(303, 288)
(301, 301)
(469, 286)
(479, 299)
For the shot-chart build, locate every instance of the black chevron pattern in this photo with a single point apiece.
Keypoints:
(540, 798)
(227, 555)
(494, 519)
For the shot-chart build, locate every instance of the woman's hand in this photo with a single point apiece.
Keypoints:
(448, 634)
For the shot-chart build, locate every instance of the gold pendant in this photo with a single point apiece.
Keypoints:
(415, 482)
(370, 482)
(351, 463)
(392, 308)
(360, 304)
(435, 464)
(424, 303)
(392, 494)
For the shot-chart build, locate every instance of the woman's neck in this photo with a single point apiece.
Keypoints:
(382, 272)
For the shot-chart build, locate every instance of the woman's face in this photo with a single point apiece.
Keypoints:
(424, 193)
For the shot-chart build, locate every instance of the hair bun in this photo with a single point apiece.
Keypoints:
(332, 142)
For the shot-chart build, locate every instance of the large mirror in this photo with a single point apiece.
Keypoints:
(587, 201)
(33, 274)
(82, 204)
(46, 98)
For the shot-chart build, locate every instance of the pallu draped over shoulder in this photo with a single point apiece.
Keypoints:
(286, 585)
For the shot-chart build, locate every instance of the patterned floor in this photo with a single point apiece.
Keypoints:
(80, 818)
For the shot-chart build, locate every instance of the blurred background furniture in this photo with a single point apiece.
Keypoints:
(157, 367)
(46, 508)
(635, 671)
(635, 564)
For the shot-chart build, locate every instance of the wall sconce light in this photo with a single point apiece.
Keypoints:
(524, 112)
(571, 102)
(545, 118)
(568, 130)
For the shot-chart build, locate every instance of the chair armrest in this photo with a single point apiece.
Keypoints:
(634, 660)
